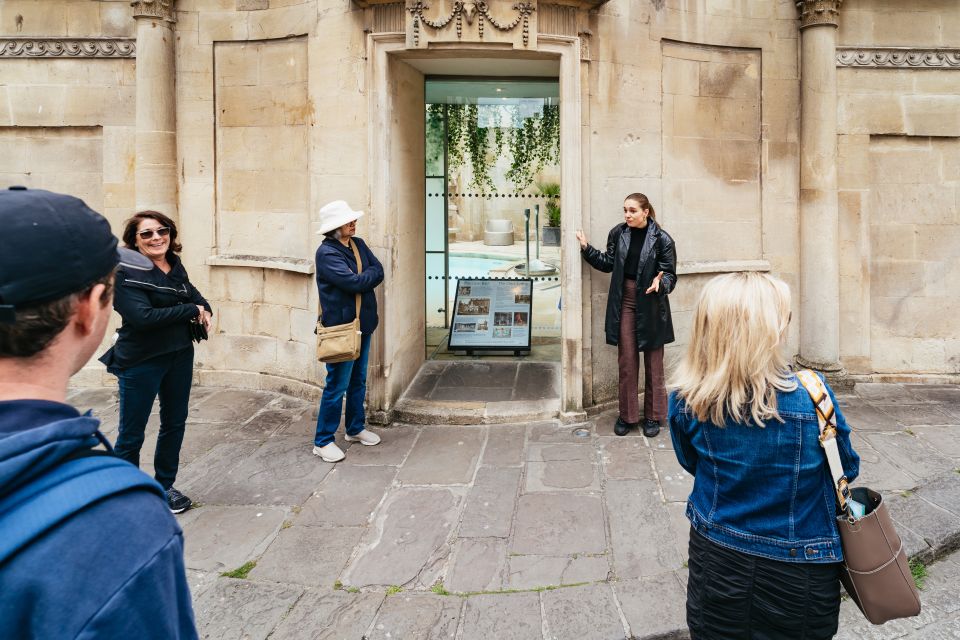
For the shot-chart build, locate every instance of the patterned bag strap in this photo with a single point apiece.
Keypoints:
(827, 419)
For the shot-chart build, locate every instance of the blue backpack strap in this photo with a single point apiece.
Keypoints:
(69, 488)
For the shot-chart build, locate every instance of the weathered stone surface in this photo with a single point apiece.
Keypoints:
(531, 572)
(865, 417)
(479, 374)
(201, 437)
(411, 532)
(395, 445)
(282, 471)
(443, 455)
(626, 459)
(877, 471)
(675, 482)
(641, 536)
(537, 381)
(947, 394)
(418, 616)
(582, 613)
(944, 492)
(504, 446)
(551, 431)
(565, 452)
(505, 617)
(311, 556)
(680, 527)
(565, 524)
(347, 496)
(267, 422)
(943, 439)
(561, 475)
(229, 405)
(910, 415)
(477, 565)
(907, 452)
(489, 507)
(654, 605)
(198, 478)
(886, 393)
(224, 538)
(320, 615)
(243, 609)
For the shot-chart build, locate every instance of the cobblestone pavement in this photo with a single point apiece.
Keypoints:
(539, 530)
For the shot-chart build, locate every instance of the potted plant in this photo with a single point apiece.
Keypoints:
(551, 230)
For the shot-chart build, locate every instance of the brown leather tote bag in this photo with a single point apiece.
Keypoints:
(876, 573)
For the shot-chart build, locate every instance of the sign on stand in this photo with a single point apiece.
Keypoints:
(492, 315)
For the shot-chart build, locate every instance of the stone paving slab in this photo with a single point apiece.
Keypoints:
(536, 529)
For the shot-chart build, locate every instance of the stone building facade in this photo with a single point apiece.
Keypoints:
(818, 140)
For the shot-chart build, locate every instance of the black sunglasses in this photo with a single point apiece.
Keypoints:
(146, 234)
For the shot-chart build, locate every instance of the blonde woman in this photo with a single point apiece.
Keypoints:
(764, 549)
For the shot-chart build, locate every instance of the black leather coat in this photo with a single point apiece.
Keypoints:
(654, 323)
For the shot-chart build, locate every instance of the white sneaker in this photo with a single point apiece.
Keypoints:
(365, 437)
(329, 452)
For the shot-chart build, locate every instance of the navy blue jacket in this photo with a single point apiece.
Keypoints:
(112, 570)
(338, 284)
(156, 309)
(765, 491)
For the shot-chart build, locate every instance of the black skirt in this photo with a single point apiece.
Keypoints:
(733, 595)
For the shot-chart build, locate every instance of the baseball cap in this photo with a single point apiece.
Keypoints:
(52, 245)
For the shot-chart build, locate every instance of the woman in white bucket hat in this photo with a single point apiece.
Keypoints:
(338, 283)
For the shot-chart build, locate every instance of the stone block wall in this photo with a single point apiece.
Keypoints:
(899, 168)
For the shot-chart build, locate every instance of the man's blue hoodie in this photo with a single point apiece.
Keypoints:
(113, 570)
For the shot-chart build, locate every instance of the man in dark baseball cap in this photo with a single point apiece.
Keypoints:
(53, 245)
(88, 546)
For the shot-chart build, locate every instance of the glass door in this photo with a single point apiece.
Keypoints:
(492, 198)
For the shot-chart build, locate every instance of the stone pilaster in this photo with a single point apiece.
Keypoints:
(819, 211)
(155, 173)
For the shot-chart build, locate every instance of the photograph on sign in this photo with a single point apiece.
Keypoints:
(492, 314)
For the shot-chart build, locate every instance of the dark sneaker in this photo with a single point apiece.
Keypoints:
(177, 502)
(651, 428)
(622, 428)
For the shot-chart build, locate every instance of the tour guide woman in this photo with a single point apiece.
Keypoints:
(764, 548)
(643, 260)
(338, 283)
(153, 353)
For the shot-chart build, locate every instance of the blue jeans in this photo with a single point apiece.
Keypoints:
(344, 378)
(170, 376)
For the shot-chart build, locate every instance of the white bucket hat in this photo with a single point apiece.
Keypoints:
(336, 214)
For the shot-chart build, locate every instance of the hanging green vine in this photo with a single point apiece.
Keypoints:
(533, 141)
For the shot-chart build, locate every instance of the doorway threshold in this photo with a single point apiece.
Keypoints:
(481, 392)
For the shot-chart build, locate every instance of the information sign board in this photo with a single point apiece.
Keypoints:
(491, 314)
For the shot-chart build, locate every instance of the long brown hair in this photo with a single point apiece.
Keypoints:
(644, 203)
(130, 231)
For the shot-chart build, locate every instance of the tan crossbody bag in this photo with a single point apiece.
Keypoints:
(340, 343)
(875, 571)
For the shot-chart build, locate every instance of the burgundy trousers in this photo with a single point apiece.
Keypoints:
(628, 359)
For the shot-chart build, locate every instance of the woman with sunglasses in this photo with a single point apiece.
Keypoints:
(153, 351)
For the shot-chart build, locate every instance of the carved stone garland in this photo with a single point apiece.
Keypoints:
(161, 9)
(467, 10)
(815, 12)
(880, 57)
(66, 48)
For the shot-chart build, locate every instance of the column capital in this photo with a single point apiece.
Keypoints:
(160, 9)
(819, 12)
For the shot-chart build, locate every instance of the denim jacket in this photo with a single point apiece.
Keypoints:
(764, 491)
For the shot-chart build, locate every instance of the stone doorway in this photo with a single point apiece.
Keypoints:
(396, 78)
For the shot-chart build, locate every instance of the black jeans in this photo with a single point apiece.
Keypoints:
(733, 595)
(170, 376)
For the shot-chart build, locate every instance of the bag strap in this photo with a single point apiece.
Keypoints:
(356, 254)
(69, 488)
(827, 420)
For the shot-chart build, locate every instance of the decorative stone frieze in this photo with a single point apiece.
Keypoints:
(896, 58)
(817, 12)
(67, 48)
(161, 9)
(466, 11)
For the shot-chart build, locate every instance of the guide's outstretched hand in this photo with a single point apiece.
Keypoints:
(655, 285)
(582, 239)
